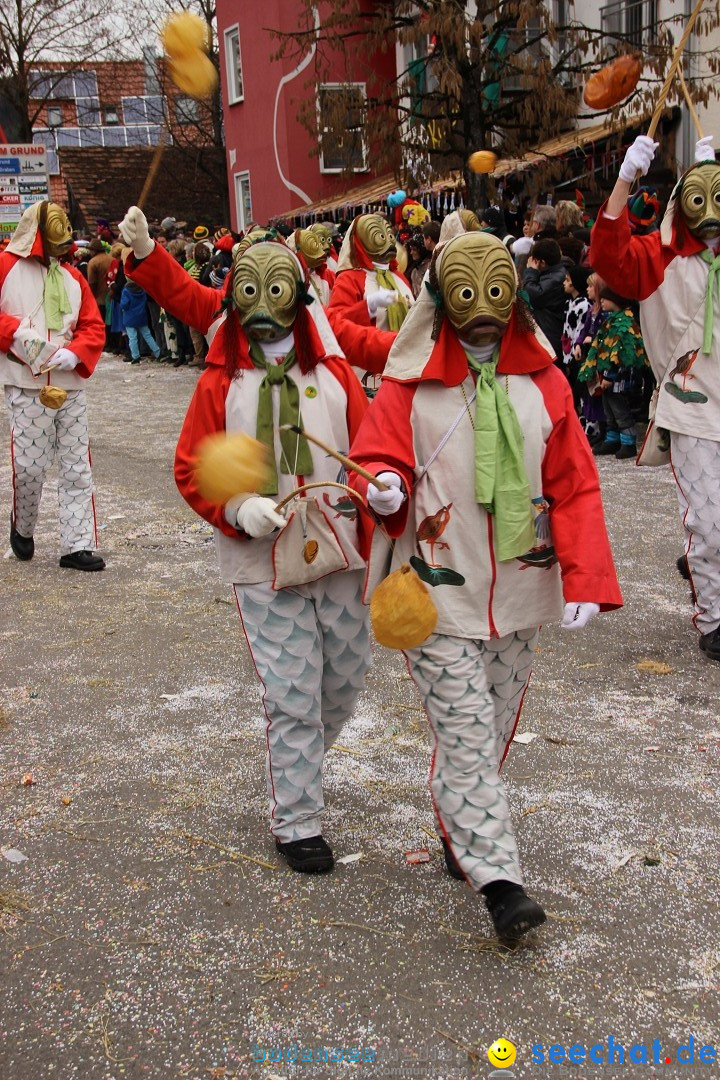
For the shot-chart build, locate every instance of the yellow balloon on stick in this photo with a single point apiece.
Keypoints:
(228, 465)
(482, 161)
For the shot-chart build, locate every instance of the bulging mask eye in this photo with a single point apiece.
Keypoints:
(249, 290)
(495, 292)
(275, 290)
(697, 200)
(467, 294)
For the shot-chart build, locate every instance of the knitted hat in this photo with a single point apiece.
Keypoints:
(218, 275)
(606, 293)
(201, 232)
(643, 208)
(579, 276)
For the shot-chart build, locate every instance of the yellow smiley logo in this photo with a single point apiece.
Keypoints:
(502, 1054)
(310, 392)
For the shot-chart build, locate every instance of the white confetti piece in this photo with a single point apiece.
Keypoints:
(13, 855)
(347, 859)
(526, 737)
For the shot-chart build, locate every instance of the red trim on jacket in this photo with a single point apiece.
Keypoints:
(572, 488)
(365, 346)
(634, 266)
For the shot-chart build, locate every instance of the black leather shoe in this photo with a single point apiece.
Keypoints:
(82, 560)
(627, 450)
(683, 568)
(512, 911)
(453, 867)
(23, 546)
(710, 644)
(310, 856)
(606, 448)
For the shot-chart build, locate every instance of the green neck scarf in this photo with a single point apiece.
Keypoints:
(501, 483)
(296, 458)
(713, 262)
(55, 297)
(395, 312)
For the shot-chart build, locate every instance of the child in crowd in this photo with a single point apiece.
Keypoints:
(592, 414)
(614, 367)
(133, 303)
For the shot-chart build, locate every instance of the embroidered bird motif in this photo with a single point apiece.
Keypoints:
(431, 528)
(683, 365)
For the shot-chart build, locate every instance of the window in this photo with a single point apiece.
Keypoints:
(243, 200)
(341, 107)
(54, 116)
(47, 139)
(112, 115)
(187, 110)
(88, 111)
(633, 21)
(62, 85)
(143, 110)
(233, 66)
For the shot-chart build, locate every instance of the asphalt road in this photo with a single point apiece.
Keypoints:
(152, 931)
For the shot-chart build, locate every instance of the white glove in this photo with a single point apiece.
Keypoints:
(134, 231)
(381, 299)
(638, 158)
(704, 149)
(578, 615)
(63, 360)
(257, 516)
(386, 502)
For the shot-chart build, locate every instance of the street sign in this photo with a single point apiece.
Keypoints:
(24, 180)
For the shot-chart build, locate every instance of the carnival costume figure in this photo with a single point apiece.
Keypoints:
(309, 248)
(51, 338)
(370, 298)
(494, 501)
(272, 362)
(674, 275)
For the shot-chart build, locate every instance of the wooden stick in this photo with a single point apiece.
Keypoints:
(152, 173)
(677, 55)
(315, 484)
(689, 103)
(346, 461)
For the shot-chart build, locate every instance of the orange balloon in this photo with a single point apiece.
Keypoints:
(612, 83)
(196, 77)
(482, 161)
(184, 34)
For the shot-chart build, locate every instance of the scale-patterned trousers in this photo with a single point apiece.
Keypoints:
(38, 435)
(696, 467)
(311, 650)
(473, 692)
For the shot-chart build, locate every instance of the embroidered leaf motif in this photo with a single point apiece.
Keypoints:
(435, 575)
(688, 397)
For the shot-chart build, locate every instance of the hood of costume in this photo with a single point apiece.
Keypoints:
(43, 232)
(361, 248)
(469, 280)
(457, 223)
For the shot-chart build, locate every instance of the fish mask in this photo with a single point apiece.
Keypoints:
(310, 246)
(470, 220)
(55, 229)
(376, 237)
(477, 282)
(266, 289)
(700, 201)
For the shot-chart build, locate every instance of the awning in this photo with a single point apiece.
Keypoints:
(374, 193)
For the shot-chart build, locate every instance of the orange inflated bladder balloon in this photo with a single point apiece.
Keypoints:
(613, 83)
(482, 161)
(228, 465)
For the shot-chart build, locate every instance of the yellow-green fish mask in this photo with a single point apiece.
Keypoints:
(478, 284)
(267, 288)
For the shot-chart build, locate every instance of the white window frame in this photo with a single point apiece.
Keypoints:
(235, 79)
(241, 178)
(339, 85)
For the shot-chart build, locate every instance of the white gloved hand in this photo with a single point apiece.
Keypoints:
(387, 502)
(638, 158)
(257, 517)
(578, 615)
(63, 360)
(704, 149)
(135, 233)
(383, 298)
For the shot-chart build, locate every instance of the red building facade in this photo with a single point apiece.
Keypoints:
(272, 163)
